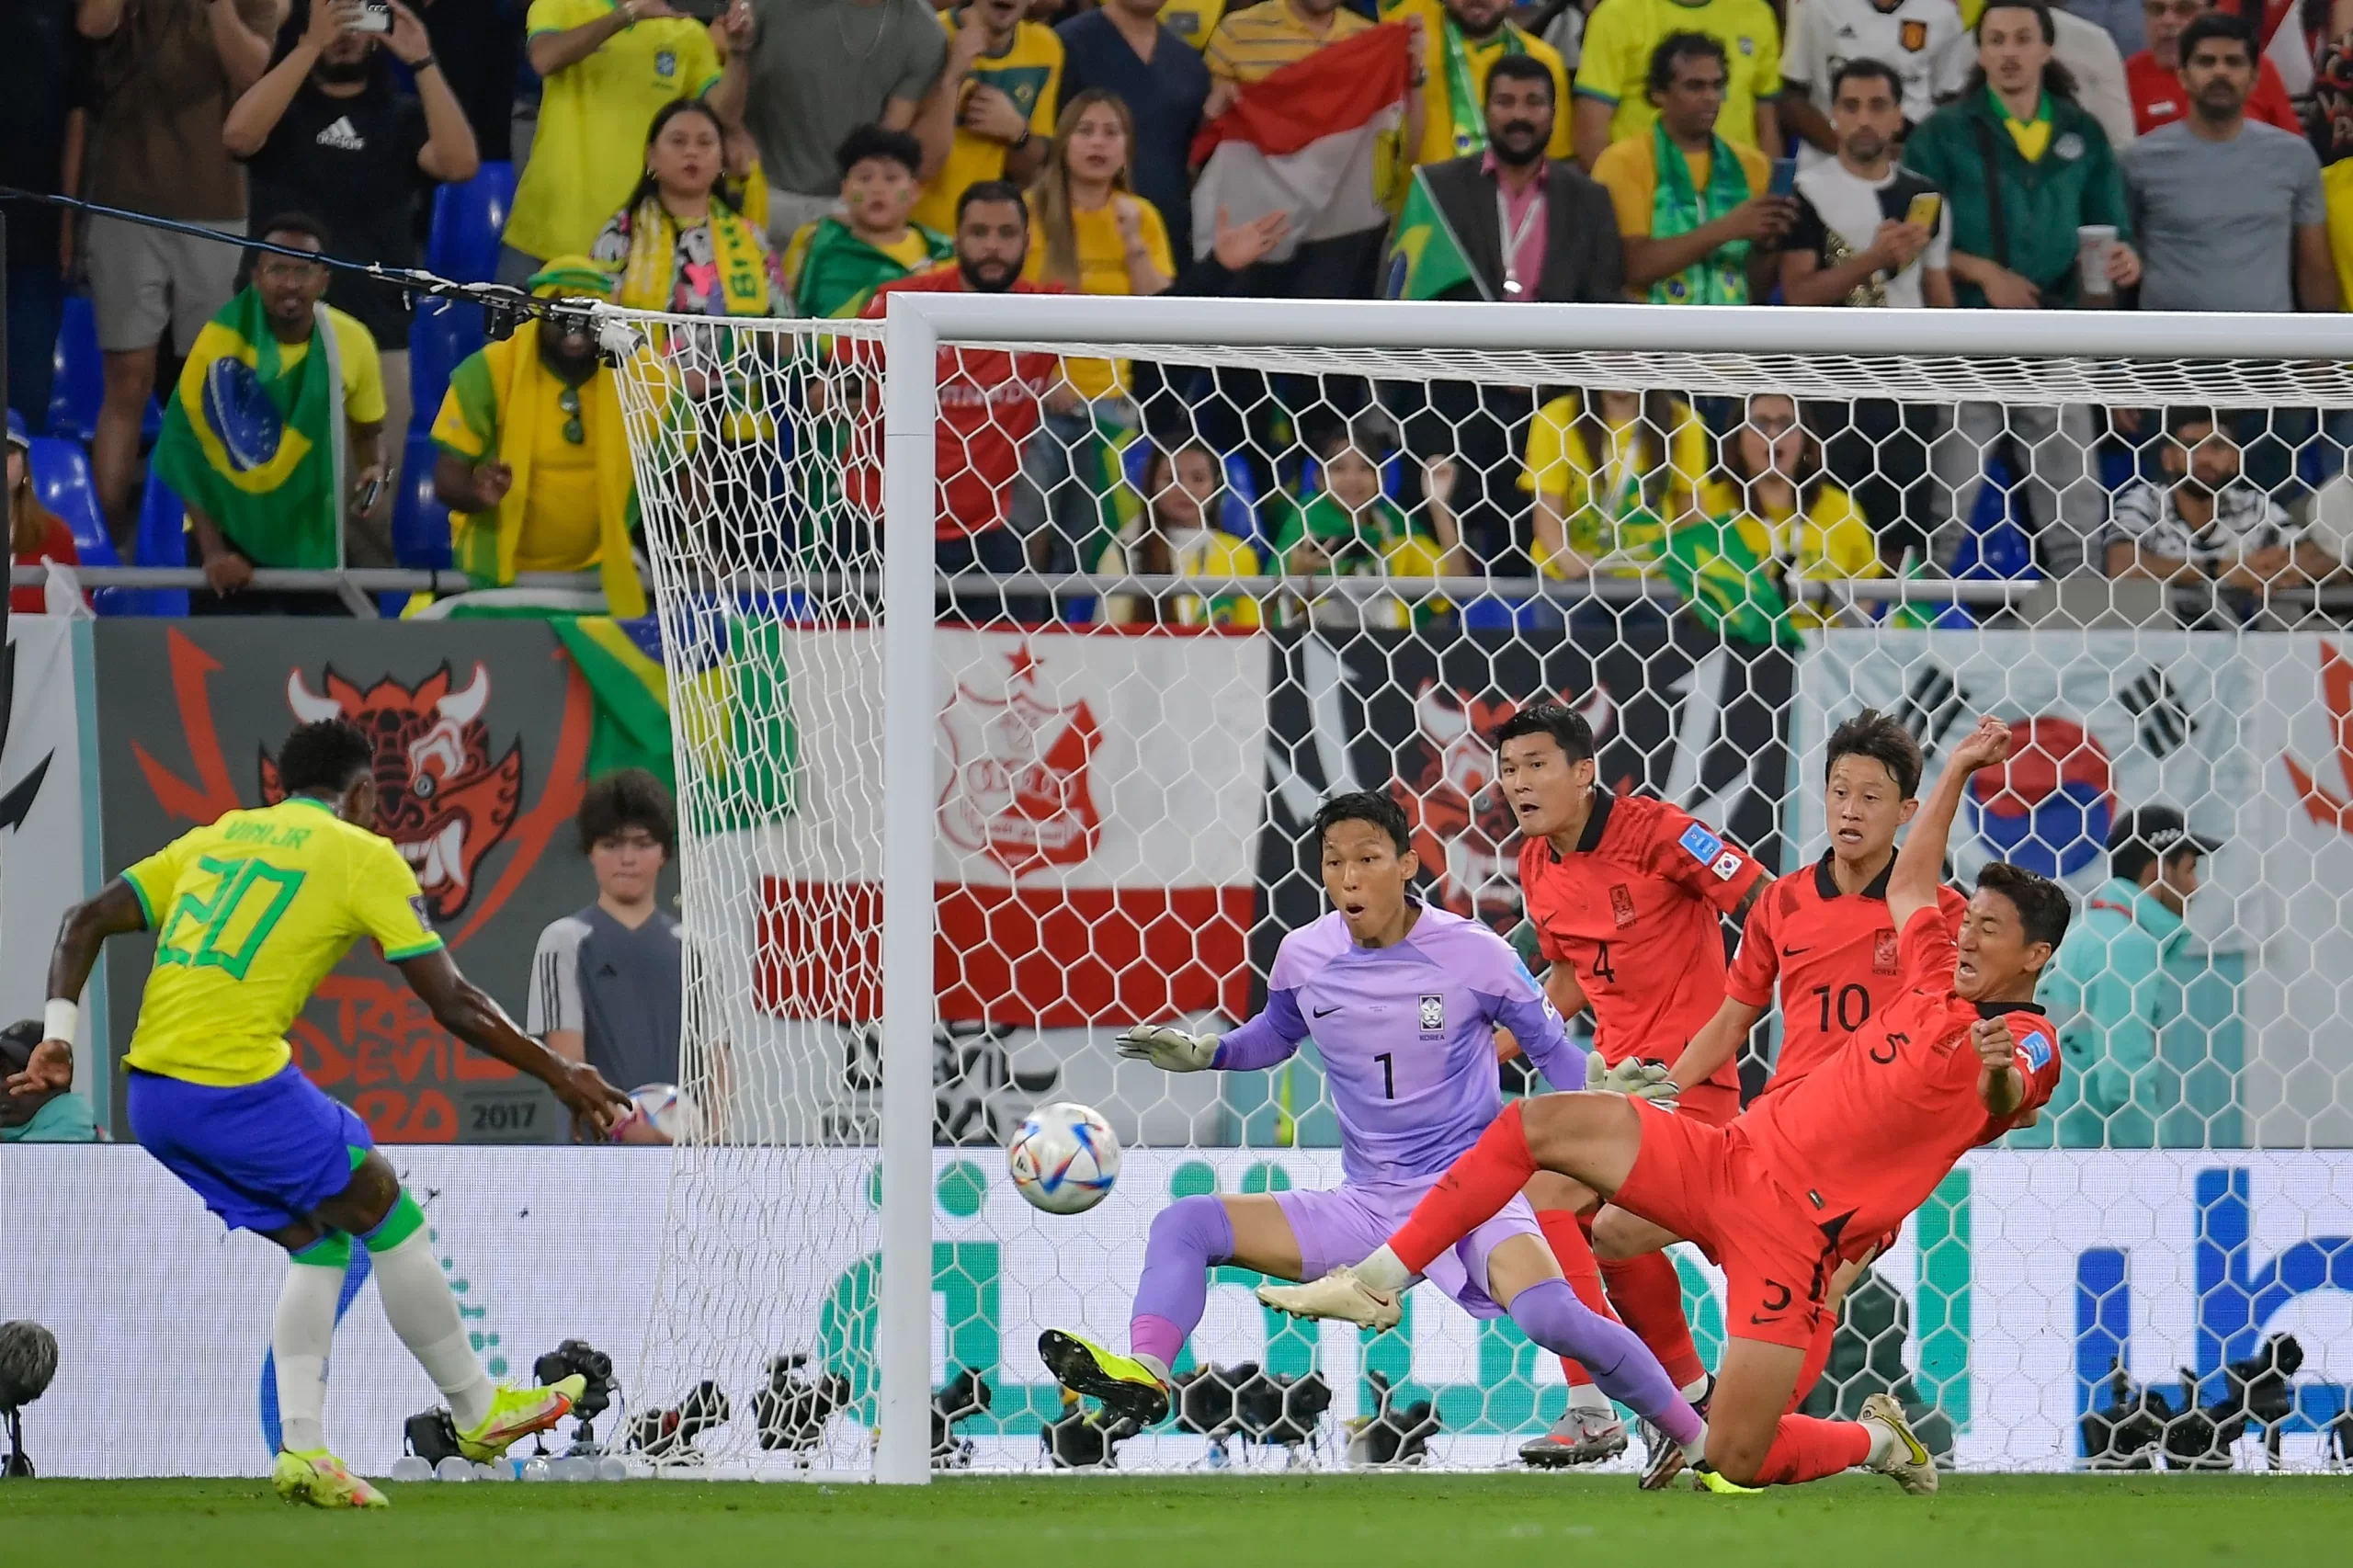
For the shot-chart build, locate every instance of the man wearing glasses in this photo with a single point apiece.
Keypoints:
(275, 428)
(2155, 74)
(533, 460)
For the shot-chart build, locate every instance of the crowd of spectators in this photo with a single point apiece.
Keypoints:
(806, 157)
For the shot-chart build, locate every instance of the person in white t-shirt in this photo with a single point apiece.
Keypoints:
(1868, 232)
(1915, 39)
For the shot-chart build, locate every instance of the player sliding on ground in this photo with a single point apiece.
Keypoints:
(1627, 895)
(249, 916)
(1403, 1000)
(1810, 1177)
(1825, 934)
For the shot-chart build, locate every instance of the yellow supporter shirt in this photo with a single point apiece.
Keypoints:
(1029, 72)
(1102, 269)
(1437, 119)
(560, 513)
(1629, 171)
(249, 916)
(1607, 522)
(363, 369)
(1255, 42)
(1831, 541)
(589, 149)
(1620, 35)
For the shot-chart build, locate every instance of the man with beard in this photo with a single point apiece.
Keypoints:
(1462, 40)
(2232, 215)
(534, 456)
(2206, 521)
(1561, 244)
(1868, 232)
(324, 132)
(990, 402)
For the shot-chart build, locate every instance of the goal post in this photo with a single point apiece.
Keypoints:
(878, 1018)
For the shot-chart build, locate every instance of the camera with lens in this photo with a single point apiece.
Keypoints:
(595, 1370)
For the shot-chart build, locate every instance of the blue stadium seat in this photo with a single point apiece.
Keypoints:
(1999, 544)
(61, 483)
(162, 541)
(443, 334)
(467, 219)
(420, 523)
(1237, 506)
(80, 377)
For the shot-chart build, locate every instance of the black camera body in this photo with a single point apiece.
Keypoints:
(2139, 1425)
(1393, 1435)
(791, 1411)
(667, 1437)
(1082, 1439)
(964, 1395)
(595, 1370)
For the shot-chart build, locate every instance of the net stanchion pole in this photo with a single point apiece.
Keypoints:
(903, 1345)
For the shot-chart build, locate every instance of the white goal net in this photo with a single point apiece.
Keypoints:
(1264, 553)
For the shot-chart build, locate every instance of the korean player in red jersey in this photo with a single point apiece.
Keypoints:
(1812, 1176)
(1626, 894)
(1825, 936)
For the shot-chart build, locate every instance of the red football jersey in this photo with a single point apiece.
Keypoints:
(1867, 1135)
(989, 406)
(1633, 911)
(1834, 955)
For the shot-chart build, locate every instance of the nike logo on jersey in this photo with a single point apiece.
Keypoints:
(1321, 1012)
(1792, 952)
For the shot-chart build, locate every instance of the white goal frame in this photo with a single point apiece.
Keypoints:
(917, 325)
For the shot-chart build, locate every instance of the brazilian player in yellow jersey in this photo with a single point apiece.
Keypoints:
(249, 916)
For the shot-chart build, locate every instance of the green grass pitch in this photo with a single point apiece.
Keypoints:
(1449, 1521)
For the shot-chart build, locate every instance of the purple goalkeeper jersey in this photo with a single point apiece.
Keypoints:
(1407, 1034)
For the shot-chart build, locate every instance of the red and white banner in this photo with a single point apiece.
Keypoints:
(1097, 800)
(1307, 140)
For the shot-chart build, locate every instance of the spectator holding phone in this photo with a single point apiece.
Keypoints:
(1868, 232)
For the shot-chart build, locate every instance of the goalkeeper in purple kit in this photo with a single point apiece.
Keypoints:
(1403, 1000)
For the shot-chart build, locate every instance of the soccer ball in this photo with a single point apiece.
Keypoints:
(663, 1107)
(1064, 1157)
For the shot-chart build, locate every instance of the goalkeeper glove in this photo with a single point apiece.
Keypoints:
(1170, 1050)
(1633, 1077)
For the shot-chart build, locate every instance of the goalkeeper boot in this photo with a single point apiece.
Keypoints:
(322, 1481)
(1125, 1385)
(1339, 1294)
(1654, 1439)
(518, 1413)
(1907, 1461)
(1580, 1436)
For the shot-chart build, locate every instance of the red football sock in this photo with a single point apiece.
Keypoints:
(1474, 1192)
(1649, 1297)
(1564, 1232)
(1806, 1447)
(1817, 1356)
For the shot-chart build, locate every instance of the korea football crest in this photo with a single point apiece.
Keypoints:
(1433, 1014)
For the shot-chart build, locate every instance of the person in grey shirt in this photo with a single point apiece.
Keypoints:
(807, 73)
(2229, 212)
(608, 984)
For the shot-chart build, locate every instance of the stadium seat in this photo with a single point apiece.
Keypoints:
(162, 541)
(61, 483)
(1237, 505)
(420, 523)
(1999, 544)
(467, 219)
(80, 383)
(443, 334)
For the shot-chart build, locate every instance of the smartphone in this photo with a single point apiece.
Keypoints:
(369, 495)
(1785, 177)
(1924, 210)
(375, 16)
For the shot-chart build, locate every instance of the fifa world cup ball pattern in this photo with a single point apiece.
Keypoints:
(1063, 1158)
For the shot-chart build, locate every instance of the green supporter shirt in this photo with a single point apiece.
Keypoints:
(2109, 997)
(65, 1119)
(2077, 181)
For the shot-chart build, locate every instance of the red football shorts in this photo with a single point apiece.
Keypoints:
(1708, 1184)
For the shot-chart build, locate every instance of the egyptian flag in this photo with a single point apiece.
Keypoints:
(1316, 138)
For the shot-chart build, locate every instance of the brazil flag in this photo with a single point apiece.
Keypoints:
(1426, 261)
(250, 440)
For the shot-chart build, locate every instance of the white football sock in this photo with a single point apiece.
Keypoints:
(1586, 1399)
(1883, 1443)
(1697, 1390)
(421, 1309)
(1696, 1449)
(1152, 1364)
(302, 1332)
(1383, 1273)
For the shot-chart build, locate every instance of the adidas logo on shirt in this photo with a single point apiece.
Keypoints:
(342, 136)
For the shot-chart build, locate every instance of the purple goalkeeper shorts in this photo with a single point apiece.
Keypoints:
(1345, 1225)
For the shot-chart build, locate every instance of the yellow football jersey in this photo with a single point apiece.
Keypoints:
(249, 916)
